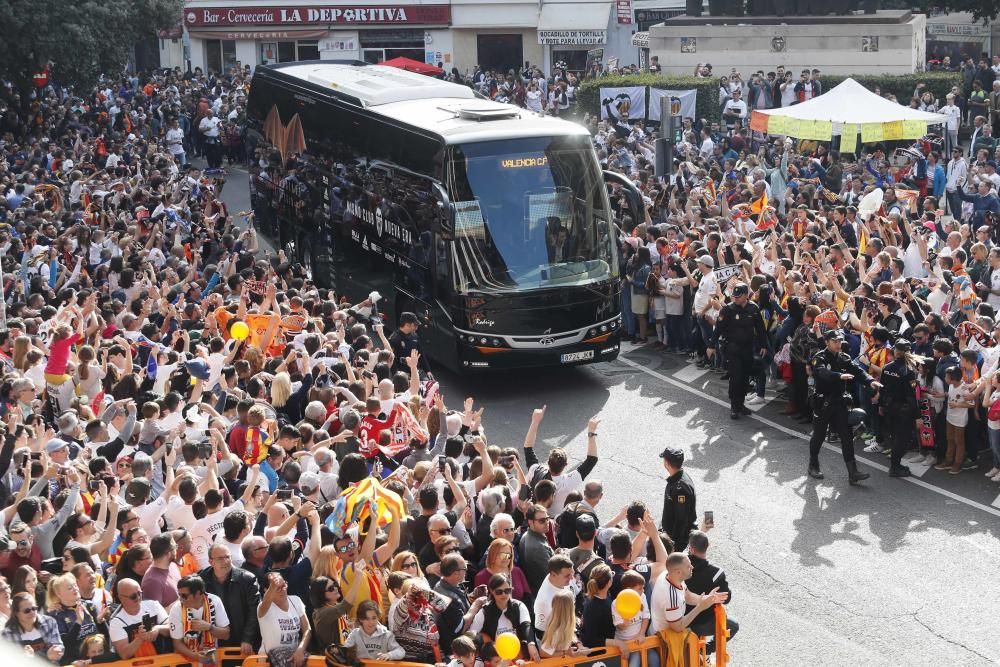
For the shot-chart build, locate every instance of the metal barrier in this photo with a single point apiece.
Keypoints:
(689, 651)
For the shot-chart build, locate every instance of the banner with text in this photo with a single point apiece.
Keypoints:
(627, 103)
(683, 102)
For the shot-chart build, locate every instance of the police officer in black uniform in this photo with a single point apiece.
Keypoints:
(742, 328)
(834, 373)
(680, 516)
(898, 404)
(403, 341)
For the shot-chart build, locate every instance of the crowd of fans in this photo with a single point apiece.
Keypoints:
(181, 412)
(917, 277)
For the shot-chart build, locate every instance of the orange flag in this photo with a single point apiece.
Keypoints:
(758, 121)
(759, 205)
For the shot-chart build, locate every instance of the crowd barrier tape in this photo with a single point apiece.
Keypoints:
(675, 649)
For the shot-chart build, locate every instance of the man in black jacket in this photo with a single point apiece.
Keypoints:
(741, 327)
(680, 514)
(240, 595)
(704, 578)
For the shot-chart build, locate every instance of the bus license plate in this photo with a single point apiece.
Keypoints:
(577, 356)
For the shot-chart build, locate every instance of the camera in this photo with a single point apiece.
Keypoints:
(283, 494)
(94, 485)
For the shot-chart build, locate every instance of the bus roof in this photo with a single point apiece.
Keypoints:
(450, 110)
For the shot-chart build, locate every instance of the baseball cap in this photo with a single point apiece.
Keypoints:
(54, 445)
(741, 289)
(706, 260)
(309, 483)
(673, 456)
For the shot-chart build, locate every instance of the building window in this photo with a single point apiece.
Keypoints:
(303, 49)
(575, 59)
(500, 52)
(220, 55)
(381, 45)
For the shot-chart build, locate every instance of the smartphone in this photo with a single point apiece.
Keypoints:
(94, 485)
(205, 450)
(36, 456)
(709, 519)
(283, 494)
(442, 462)
(479, 591)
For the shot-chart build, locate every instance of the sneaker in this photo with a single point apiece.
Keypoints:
(875, 448)
(996, 477)
(930, 460)
(943, 466)
(755, 400)
(914, 457)
(954, 471)
(993, 471)
(970, 465)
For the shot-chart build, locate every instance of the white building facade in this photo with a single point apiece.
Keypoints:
(219, 34)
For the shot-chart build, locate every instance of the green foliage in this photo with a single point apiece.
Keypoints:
(81, 38)
(588, 95)
(902, 86)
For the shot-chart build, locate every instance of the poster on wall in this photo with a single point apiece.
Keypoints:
(626, 103)
(684, 101)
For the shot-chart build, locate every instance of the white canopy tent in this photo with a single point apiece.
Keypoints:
(851, 103)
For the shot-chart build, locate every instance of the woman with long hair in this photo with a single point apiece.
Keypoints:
(25, 580)
(331, 615)
(5, 595)
(133, 564)
(33, 630)
(77, 618)
(503, 613)
(500, 560)
(407, 563)
(597, 627)
(638, 272)
(990, 396)
(560, 635)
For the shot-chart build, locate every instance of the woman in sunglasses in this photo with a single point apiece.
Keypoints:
(36, 632)
(331, 610)
(500, 560)
(503, 613)
(407, 563)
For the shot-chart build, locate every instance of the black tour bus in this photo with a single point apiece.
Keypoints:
(491, 223)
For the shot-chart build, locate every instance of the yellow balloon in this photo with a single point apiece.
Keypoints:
(239, 331)
(628, 603)
(508, 646)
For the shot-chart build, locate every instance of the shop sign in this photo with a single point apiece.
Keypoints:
(641, 39)
(959, 29)
(328, 15)
(572, 37)
(624, 10)
(339, 43)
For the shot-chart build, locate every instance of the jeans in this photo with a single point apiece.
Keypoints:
(995, 446)
(652, 659)
(954, 204)
(676, 340)
(628, 320)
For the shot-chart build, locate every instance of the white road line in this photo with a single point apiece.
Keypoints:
(994, 510)
(690, 373)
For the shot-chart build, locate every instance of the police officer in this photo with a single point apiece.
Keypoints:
(403, 341)
(898, 405)
(680, 516)
(742, 328)
(834, 373)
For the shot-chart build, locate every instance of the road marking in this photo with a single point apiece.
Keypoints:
(690, 373)
(994, 510)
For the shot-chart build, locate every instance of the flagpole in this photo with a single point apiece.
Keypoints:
(3, 302)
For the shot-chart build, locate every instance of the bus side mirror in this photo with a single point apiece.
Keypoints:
(446, 215)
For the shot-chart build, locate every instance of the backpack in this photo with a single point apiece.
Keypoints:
(566, 524)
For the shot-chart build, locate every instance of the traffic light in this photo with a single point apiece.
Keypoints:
(671, 134)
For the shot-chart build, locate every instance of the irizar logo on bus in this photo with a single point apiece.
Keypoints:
(377, 220)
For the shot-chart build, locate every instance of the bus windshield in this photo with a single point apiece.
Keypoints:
(529, 213)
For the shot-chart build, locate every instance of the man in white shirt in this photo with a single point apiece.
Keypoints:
(735, 111)
(559, 578)
(954, 120)
(199, 621)
(956, 173)
(707, 145)
(205, 530)
(175, 142)
(210, 129)
(706, 289)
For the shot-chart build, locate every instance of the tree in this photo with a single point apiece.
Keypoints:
(80, 38)
(980, 9)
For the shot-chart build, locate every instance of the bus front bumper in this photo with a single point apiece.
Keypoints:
(486, 357)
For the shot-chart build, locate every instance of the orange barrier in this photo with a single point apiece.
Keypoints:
(688, 650)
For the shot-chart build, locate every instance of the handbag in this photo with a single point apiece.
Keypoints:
(993, 414)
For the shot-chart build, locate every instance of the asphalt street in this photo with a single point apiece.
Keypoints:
(894, 572)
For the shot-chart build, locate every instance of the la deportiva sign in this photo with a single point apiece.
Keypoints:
(339, 14)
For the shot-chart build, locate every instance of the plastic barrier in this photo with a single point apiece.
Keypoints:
(690, 651)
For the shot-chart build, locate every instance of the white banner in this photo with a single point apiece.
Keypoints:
(573, 37)
(686, 100)
(724, 273)
(627, 103)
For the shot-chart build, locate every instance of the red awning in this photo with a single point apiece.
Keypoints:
(411, 65)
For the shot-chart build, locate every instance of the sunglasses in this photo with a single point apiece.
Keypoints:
(135, 596)
(503, 591)
(28, 610)
(23, 543)
(407, 566)
(347, 547)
